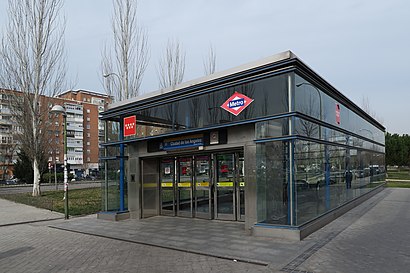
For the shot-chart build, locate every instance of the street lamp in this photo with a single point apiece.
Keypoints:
(120, 81)
(58, 109)
(121, 138)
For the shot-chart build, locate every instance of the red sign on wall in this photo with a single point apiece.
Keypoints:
(236, 103)
(337, 113)
(130, 126)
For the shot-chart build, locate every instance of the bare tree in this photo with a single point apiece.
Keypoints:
(368, 109)
(210, 62)
(129, 57)
(172, 65)
(32, 61)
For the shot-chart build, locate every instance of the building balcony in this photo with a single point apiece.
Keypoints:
(75, 162)
(75, 128)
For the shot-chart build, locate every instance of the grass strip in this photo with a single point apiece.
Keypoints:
(80, 201)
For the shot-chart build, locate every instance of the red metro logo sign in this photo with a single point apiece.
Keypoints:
(236, 103)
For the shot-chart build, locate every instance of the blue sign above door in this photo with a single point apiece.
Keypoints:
(183, 142)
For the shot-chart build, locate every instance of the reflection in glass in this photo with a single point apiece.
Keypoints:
(110, 190)
(184, 186)
(225, 184)
(167, 186)
(307, 102)
(272, 187)
(328, 176)
(202, 185)
(270, 97)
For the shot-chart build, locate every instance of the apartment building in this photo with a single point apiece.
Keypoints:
(8, 145)
(84, 131)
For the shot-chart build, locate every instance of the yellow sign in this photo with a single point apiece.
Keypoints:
(202, 184)
(184, 185)
(149, 185)
(224, 184)
(241, 184)
(167, 185)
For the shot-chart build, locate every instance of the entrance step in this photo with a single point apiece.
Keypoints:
(113, 215)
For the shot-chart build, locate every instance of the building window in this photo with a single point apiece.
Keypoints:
(88, 126)
(88, 159)
(88, 118)
(88, 151)
(88, 143)
(88, 135)
(88, 111)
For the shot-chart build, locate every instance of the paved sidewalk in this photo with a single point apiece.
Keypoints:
(372, 237)
(378, 241)
(229, 241)
(15, 213)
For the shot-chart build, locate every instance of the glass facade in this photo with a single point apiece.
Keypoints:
(317, 167)
(201, 111)
(312, 101)
(110, 172)
(315, 151)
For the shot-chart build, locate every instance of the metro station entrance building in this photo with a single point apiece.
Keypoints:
(270, 143)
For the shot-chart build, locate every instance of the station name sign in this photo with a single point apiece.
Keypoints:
(183, 142)
(236, 103)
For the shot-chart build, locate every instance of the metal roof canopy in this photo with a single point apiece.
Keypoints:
(279, 61)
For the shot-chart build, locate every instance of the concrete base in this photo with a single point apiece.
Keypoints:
(282, 232)
(300, 232)
(113, 215)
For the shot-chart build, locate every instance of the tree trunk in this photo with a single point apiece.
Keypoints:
(36, 179)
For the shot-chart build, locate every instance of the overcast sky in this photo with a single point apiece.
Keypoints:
(360, 47)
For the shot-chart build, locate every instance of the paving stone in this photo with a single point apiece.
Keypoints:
(372, 237)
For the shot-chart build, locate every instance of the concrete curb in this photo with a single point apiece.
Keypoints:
(30, 222)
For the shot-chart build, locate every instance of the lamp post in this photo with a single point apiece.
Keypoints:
(58, 109)
(121, 138)
(120, 81)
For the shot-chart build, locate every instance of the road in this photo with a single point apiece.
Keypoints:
(47, 187)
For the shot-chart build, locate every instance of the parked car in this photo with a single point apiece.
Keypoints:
(315, 181)
(12, 181)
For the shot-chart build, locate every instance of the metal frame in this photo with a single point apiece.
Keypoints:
(199, 214)
(179, 212)
(236, 197)
(161, 190)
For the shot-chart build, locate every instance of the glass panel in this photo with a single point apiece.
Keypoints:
(167, 186)
(272, 128)
(272, 187)
(111, 191)
(312, 101)
(270, 97)
(150, 194)
(113, 131)
(202, 184)
(241, 186)
(328, 176)
(225, 184)
(185, 185)
(307, 128)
